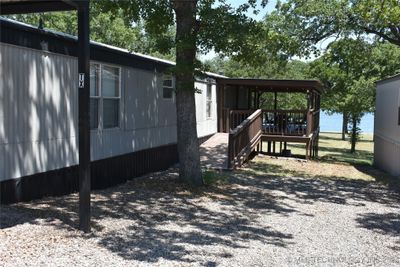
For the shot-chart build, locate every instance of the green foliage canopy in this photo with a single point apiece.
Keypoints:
(349, 70)
(105, 27)
(300, 25)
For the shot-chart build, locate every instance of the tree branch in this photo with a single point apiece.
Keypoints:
(382, 35)
(395, 31)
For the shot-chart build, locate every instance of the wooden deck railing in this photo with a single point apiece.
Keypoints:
(236, 117)
(244, 138)
(312, 122)
(285, 122)
(277, 122)
(274, 122)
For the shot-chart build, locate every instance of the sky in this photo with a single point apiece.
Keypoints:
(263, 11)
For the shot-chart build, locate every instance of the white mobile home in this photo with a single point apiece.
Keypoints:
(132, 113)
(387, 125)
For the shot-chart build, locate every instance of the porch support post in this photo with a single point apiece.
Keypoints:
(254, 93)
(307, 149)
(83, 117)
(249, 91)
(237, 96)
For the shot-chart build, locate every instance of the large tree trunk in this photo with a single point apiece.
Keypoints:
(345, 125)
(188, 144)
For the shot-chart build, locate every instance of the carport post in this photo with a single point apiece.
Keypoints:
(83, 120)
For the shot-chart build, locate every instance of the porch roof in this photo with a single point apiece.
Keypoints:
(274, 85)
(33, 6)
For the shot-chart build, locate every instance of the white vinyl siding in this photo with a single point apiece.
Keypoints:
(39, 112)
(39, 101)
(387, 128)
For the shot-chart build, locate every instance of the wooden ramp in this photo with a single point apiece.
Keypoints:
(214, 152)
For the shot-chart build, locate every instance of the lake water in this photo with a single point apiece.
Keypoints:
(333, 123)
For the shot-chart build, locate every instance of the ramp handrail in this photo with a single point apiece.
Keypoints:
(244, 138)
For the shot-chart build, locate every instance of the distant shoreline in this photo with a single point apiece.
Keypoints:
(335, 132)
(333, 123)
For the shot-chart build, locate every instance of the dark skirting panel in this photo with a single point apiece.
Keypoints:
(104, 173)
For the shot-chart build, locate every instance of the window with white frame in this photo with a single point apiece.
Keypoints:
(104, 96)
(209, 101)
(168, 87)
(94, 95)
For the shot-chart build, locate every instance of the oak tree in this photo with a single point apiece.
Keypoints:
(200, 26)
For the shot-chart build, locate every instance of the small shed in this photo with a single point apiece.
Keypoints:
(387, 125)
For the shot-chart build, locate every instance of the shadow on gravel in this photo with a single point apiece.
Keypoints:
(385, 224)
(157, 217)
(339, 190)
(392, 182)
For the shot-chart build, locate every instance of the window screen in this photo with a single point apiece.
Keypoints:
(209, 101)
(104, 96)
(168, 87)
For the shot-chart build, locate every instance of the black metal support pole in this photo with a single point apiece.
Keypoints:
(275, 118)
(83, 120)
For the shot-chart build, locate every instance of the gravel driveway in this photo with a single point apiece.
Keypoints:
(250, 221)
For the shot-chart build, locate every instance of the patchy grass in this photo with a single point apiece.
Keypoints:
(211, 177)
(334, 162)
(267, 166)
(333, 149)
(290, 167)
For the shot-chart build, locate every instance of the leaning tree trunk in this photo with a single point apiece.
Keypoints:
(345, 125)
(188, 144)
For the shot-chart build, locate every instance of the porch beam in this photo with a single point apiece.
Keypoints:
(237, 97)
(26, 7)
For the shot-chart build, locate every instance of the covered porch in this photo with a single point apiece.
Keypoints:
(266, 115)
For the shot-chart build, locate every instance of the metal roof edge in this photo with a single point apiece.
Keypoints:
(70, 37)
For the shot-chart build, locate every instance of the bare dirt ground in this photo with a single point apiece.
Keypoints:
(270, 213)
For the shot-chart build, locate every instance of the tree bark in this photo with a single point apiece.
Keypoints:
(344, 125)
(188, 144)
(353, 135)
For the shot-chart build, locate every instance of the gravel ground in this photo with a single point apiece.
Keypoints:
(252, 220)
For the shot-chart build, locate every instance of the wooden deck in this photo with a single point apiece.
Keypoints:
(214, 152)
